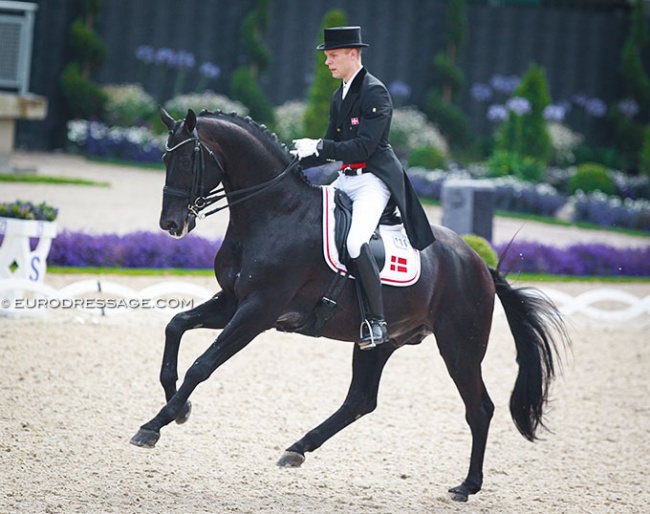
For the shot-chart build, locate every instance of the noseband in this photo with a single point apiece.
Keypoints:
(197, 198)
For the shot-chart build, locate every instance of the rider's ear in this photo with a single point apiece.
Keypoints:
(190, 121)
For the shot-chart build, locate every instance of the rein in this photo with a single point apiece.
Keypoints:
(197, 198)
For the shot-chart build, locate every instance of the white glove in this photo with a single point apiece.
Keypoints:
(306, 147)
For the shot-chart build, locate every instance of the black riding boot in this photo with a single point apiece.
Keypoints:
(373, 329)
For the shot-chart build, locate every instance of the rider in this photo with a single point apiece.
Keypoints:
(371, 174)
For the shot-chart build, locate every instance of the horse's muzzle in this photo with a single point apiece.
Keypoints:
(178, 228)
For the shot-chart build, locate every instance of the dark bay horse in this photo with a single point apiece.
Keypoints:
(272, 273)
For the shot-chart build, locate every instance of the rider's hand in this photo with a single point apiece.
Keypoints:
(306, 147)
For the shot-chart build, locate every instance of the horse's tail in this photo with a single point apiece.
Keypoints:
(539, 331)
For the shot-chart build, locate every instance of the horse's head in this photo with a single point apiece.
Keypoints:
(186, 180)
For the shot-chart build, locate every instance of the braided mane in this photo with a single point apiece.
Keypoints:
(269, 139)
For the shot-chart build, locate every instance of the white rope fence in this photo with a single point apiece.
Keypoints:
(101, 297)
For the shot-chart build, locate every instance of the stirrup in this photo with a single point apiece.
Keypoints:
(369, 338)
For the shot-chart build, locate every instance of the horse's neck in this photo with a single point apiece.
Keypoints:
(290, 195)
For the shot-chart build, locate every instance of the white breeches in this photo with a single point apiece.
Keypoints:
(369, 196)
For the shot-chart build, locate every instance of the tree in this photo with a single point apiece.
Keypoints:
(84, 98)
(629, 121)
(439, 102)
(525, 133)
(320, 92)
(244, 85)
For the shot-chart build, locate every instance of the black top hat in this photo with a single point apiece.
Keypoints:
(342, 37)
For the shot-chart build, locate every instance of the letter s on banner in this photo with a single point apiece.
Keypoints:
(35, 265)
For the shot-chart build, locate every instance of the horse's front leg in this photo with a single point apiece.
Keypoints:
(367, 367)
(215, 313)
(251, 318)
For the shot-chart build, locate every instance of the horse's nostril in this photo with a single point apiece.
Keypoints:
(167, 224)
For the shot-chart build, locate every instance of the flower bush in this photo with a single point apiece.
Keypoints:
(410, 129)
(158, 250)
(136, 144)
(134, 250)
(28, 211)
(128, 105)
(517, 196)
(514, 195)
(179, 105)
(611, 211)
(576, 260)
(564, 142)
(289, 121)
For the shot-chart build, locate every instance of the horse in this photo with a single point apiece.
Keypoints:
(223, 157)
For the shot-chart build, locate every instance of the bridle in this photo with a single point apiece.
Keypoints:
(197, 198)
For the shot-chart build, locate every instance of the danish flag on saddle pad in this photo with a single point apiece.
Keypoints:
(402, 263)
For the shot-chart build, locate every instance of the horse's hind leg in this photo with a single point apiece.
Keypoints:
(367, 368)
(215, 313)
(463, 346)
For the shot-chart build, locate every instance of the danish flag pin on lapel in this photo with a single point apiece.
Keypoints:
(354, 121)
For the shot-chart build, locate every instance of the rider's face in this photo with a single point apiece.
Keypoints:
(342, 62)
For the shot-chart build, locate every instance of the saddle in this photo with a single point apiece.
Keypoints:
(343, 221)
(397, 260)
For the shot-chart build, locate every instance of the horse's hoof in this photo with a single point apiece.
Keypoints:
(457, 496)
(145, 438)
(461, 492)
(185, 413)
(291, 460)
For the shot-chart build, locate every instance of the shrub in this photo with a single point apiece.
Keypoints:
(158, 250)
(134, 250)
(135, 144)
(525, 131)
(244, 85)
(483, 248)
(448, 117)
(128, 105)
(428, 157)
(289, 121)
(503, 163)
(514, 195)
(575, 260)
(179, 105)
(245, 89)
(611, 211)
(644, 158)
(410, 129)
(320, 92)
(84, 98)
(608, 157)
(564, 142)
(590, 177)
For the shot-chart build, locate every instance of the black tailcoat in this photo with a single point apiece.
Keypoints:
(358, 132)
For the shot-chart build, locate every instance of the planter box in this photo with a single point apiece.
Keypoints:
(17, 259)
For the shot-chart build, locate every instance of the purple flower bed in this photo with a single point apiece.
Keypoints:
(608, 211)
(158, 250)
(584, 260)
(121, 147)
(135, 250)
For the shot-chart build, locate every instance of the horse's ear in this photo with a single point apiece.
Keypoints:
(166, 118)
(190, 121)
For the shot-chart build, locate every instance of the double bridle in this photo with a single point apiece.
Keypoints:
(197, 198)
